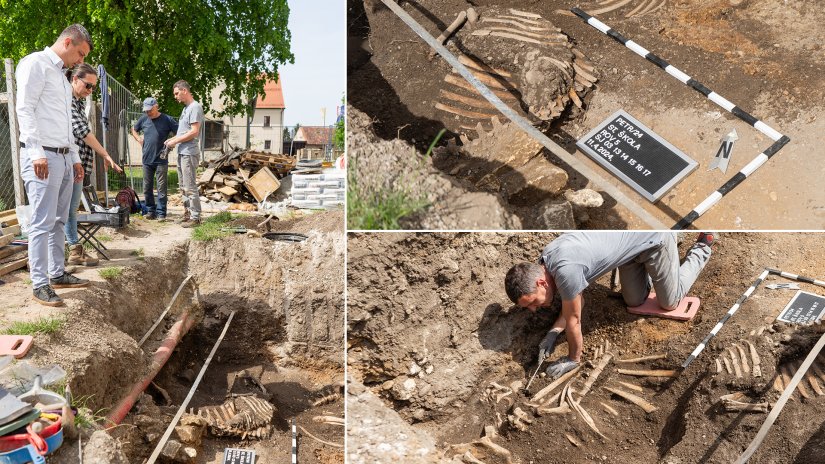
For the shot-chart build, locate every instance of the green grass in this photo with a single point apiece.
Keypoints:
(27, 281)
(210, 229)
(118, 181)
(383, 209)
(104, 237)
(45, 325)
(110, 273)
(139, 253)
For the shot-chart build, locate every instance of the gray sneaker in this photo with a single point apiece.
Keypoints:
(68, 281)
(45, 295)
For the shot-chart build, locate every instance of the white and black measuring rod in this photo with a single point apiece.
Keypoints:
(779, 139)
(724, 319)
(294, 443)
(796, 277)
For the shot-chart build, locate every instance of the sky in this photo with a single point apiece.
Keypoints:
(318, 77)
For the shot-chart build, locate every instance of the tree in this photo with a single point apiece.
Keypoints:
(338, 137)
(148, 45)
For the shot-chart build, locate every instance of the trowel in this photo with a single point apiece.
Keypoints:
(526, 389)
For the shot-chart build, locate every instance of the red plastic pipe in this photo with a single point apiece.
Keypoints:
(159, 358)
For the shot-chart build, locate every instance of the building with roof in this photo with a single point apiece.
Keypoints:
(267, 126)
(315, 141)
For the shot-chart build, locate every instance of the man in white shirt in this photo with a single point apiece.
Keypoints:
(49, 157)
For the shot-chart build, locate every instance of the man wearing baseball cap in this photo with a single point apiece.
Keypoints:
(151, 130)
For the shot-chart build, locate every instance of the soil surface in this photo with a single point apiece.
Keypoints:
(430, 329)
(763, 55)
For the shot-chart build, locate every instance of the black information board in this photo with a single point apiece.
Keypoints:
(238, 456)
(804, 308)
(636, 155)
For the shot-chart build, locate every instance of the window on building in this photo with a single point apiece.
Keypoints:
(266, 121)
(267, 144)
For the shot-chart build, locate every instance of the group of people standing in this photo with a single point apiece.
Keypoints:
(57, 155)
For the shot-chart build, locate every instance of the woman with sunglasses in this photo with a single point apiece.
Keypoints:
(83, 79)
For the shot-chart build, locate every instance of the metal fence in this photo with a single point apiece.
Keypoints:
(124, 111)
(6, 169)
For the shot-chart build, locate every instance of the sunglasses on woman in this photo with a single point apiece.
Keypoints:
(88, 86)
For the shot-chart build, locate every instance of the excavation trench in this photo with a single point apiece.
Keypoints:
(283, 350)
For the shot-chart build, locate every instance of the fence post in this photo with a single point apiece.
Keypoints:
(11, 88)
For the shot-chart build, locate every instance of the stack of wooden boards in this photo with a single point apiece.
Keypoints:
(244, 176)
(12, 257)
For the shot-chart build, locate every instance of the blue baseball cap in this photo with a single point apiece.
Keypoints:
(149, 103)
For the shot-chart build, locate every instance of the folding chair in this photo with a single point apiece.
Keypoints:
(98, 216)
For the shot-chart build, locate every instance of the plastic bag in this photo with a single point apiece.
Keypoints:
(24, 218)
(18, 378)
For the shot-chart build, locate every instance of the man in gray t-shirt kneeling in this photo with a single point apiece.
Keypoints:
(187, 139)
(573, 261)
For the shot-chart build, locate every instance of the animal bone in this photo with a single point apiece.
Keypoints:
(652, 357)
(718, 366)
(609, 8)
(332, 420)
(609, 409)
(519, 419)
(651, 8)
(575, 98)
(544, 391)
(743, 359)
(649, 373)
(457, 22)
(496, 449)
(577, 407)
(490, 431)
(778, 384)
(471, 63)
(736, 368)
(735, 396)
(469, 101)
(563, 409)
(786, 375)
(737, 406)
(573, 440)
(595, 374)
(583, 73)
(803, 390)
(459, 82)
(472, 15)
(460, 112)
(632, 386)
(470, 459)
(819, 371)
(814, 383)
(638, 8)
(514, 23)
(727, 364)
(638, 401)
(525, 14)
(336, 445)
(757, 369)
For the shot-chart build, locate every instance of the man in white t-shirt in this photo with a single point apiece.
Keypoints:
(573, 261)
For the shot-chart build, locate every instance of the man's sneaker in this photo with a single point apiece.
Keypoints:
(191, 223)
(68, 281)
(706, 238)
(45, 295)
(184, 219)
(150, 217)
(161, 218)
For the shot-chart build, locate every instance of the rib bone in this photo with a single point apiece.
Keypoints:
(649, 373)
(652, 357)
(638, 401)
(757, 369)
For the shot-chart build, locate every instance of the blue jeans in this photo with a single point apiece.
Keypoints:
(70, 229)
(149, 174)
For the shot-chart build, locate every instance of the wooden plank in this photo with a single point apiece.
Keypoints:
(6, 239)
(262, 184)
(206, 176)
(228, 191)
(15, 229)
(10, 250)
(14, 265)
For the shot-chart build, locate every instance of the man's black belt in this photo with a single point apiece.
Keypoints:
(59, 151)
